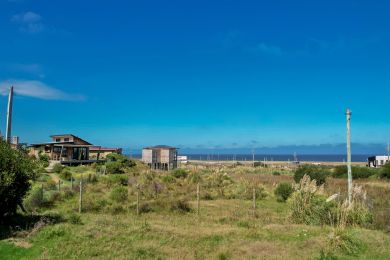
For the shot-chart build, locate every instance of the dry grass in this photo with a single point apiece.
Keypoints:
(225, 229)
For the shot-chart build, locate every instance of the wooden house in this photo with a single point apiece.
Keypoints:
(160, 157)
(64, 148)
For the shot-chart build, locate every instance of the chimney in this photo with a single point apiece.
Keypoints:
(15, 140)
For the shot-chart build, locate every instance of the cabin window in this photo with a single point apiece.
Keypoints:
(66, 139)
(58, 140)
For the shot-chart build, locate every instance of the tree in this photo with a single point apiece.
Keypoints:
(16, 169)
(317, 173)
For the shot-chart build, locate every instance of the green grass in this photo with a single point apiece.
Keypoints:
(225, 229)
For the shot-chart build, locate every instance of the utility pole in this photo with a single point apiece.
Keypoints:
(9, 115)
(253, 157)
(348, 114)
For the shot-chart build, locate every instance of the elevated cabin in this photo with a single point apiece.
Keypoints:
(378, 161)
(160, 157)
(65, 148)
(100, 153)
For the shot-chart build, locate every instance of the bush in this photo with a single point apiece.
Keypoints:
(276, 173)
(34, 199)
(385, 171)
(114, 167)
(145, 208)
(308, 204)
(317, 173)
(119, 194)
(357, 172)
(65, 174)
(16, 169)
(43, 159)
(68, 193)
(340, 240)
(121, 159)
(260, 164)
(53, 197)
(179, 173)
(57, 168)
(207, 196)
(283, 191)
(180, 206)
(116, 209)
(195, 177)
(115, 179)
(75, 219)
(168, 179)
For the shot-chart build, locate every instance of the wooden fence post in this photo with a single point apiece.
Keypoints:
(81, 196)
(198, 199)
(137, 200)
(254, 202)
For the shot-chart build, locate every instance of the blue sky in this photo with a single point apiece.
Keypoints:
(197, 74)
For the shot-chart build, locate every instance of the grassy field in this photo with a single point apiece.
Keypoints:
(227, 227)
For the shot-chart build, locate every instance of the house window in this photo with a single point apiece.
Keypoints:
(58, 140)
(66, 139)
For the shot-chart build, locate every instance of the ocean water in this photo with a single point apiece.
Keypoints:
(275, 157)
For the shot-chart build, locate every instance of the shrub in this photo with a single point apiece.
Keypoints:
(340, 240)
(116, 209)
(260, 164)
(145, 208)
(114, 167)
(121, 159)
(16, 169)
(180, 206)
(53, 197)
(34, 199)
(207, 196)
(116, 179)
(75, 219)
(276, 173)
(68, 193)
(168, 179)
(57, 168)
(308, 204)
(43, 159)
(317, 173)
(195, 177)
(357, 172)
(119, 194)
(385, 171)
(65, 174)
(283, 191)
(179, 173)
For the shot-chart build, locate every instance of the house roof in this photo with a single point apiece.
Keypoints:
(74, 136)
(65, 144)
(160, 147)
(98, 148)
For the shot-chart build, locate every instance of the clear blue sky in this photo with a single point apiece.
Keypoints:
(200, 74)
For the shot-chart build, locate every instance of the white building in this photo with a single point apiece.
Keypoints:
(378, 161)
(182, 158)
